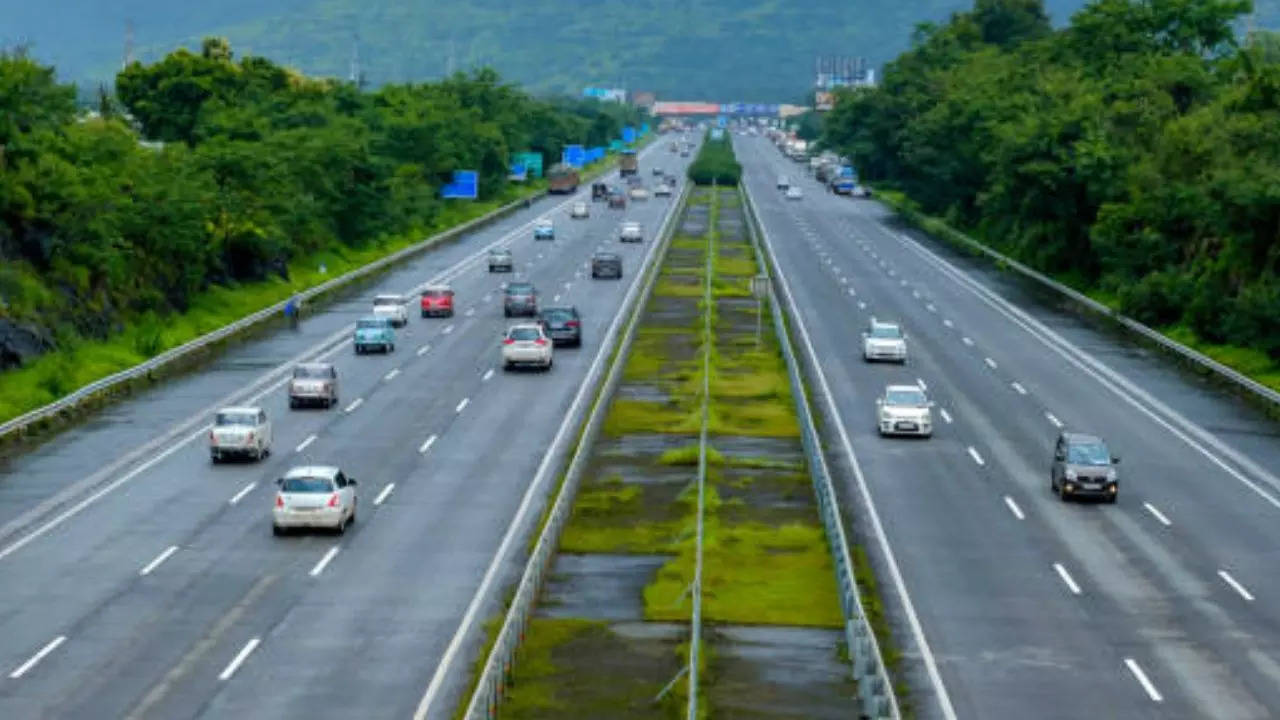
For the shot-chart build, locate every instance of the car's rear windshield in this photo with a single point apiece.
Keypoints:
(905, 397)
(523, 334)
(1088, 454)
(371, 323)
(386, 301)
(236, 418)
(500, 252)
(435, 293)
(519, 289)
(310, 371)
(307, 485)
(886, 332)
(606, 258)
(558, 314)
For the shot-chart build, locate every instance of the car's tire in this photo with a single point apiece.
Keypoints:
(215, 457)
(506, 312)
(392, 348)
(354, 507)
(1062, 492)
(276, 530)
(359, 350)
(342, 527)
(450, 314)
(293, 403)
(1112, 499)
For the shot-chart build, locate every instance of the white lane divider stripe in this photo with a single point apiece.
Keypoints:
(1155, 512)
(470, 311)
(324, 561)
(305, 443)
(1146, 684)
(151, 566)
(862, 305)
(948, 323)
(462, 405)
(355, 404)
(990, 363)
(1235, 585)
(239, 659)
(487, 374)
(853, 293)
(946, 416)
(967, 341)
(391, 375)
(1013, 508)
(1056, 422)
(424, 349)
(976, 457)
(921, 383)
(427, 445)
(931, 308)
(556, 299)
(1018, 387)
(1066, 578)
(447, 329)
(382, 496)
(240, 495)
(35, 659)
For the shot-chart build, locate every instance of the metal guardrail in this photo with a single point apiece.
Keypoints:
(875, 691)
(487, 696)
(1231, 375)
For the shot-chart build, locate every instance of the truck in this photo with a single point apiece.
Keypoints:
(562, 179)
(628, 163)
(844, 181)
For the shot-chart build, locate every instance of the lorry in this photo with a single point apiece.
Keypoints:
(844, 181)
(562, 179)
(628, 163)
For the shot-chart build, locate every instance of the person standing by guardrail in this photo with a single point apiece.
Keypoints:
(292, 309)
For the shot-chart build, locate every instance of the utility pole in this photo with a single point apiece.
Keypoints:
(449, 61)
(354, 69)
(128, 45)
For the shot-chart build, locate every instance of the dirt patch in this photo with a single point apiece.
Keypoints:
(596, 586)
(778, 672)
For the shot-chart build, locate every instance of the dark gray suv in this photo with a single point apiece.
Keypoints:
(606, 265)
(1083, 467)
(520, 298)
(562, 324)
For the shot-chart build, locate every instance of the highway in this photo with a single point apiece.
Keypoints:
(139, 580)
(1010, 603)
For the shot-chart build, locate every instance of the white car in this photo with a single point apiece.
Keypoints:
(794, 192)
(314, 497)
(544, 229)
(630, 232)
(639, 193)
(526, 344)
(393, 308)
(783, 182)
(884, 341)
(904, 410)
(579, 210)
(663, 190)
(240, 432)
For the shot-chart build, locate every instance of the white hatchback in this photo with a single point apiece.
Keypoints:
(240, 432)
(630, 232)
(393, 308)
(314, 497)
(579, 210)
(884, 341)
(794, 192)
(904, 410)
(526, 344)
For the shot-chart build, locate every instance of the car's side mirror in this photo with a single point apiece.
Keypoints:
(1115, 459)
(1059, 456)
(279, 482)
(351, 481)
(932, 404)
(879, 401)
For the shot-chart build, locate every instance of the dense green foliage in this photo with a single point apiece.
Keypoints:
(1134, 153)
(259, 166)
(715, 163)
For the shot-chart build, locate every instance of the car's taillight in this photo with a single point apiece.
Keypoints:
(540, 341)
(279, 500)
(250, 437)
(572, 323)
(333, 500)
(508, 341)
(212, 437)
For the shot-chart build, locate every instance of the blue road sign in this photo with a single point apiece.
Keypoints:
(722, 121)
(594, 154)
(628, 135)
(465, 186)
(574, 155)
(644, 129)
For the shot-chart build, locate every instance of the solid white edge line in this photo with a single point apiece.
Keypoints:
(245, 491)
(1145, 682)
(946, 416)
(966, 340)
(1013, 508)
(427, 445)
(973, 453)
(1235, 585)
(990, 363)
(1053, 419)
(382, 496)
(948, 323)
(462, 405)
(238, 660)
(305, 443)
(324, 561)
(895, 572)
(35, 659)
(923, 386)
(447, 329)
(151, 566)
(539, 477)
(1018, 387)
(424, 349)
(391, 375)
(1155, 512)
(1066, 578)
(487, 374)
(355, 404)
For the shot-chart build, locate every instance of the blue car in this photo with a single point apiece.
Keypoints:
(544, 230)
(374, 332)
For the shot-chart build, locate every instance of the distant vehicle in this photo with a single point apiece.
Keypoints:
(374, 332)
(240, 432)
(314, 383)
(634, 181)
(845, 181)
(544, 229)
(684, 153)
(391, 307)
(314, 497)
(663, 190)
(520, 298)
(579, 210)
(526, 345)
(630, 231)
(1083, 466)
(884, 341)
(437, 300)
(628, 163)
(606, 265)
(639, 193)
(599, 191)
(794, 193)
(861, 191)
(617, 201)
(904, 410)
(657, 171)
(784, 182)
(562, 179)
(562, 324)
(673, 147)
(500, 260)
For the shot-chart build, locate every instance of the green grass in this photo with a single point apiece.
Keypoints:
(688, 455)
(632, 416)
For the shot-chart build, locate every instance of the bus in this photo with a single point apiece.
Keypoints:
(562, 179)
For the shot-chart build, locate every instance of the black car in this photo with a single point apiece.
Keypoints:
(520, 298)
(617, 201)
(606, 265)
(599, 191)
(657, 171)
(562, 324)
(1083, 466)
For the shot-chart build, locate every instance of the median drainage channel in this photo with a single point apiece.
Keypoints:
(610, 635)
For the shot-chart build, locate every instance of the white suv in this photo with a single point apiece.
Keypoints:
(904, 410)
(393, 308)
(884, 341)
(526, 344)
(630, 232)
(240, 431)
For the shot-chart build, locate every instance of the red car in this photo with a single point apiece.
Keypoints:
(437, 300)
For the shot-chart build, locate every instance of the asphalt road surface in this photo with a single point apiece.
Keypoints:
(1164, 605)
(139, 580)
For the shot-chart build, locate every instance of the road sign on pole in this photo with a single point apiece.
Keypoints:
(465, 186)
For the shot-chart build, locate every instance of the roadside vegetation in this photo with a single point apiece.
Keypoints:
(253, 183)
(715, 163)
(1132, 154)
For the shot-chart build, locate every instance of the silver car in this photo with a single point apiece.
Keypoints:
(630, 232)
(526, 345)
(904, 410)
(313, 384)
(319, 496)
(1083, 466)
(884, 341)
(240, 432)
(500, 260)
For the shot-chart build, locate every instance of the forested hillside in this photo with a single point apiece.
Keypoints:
(259, 167)
(1135, 153)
